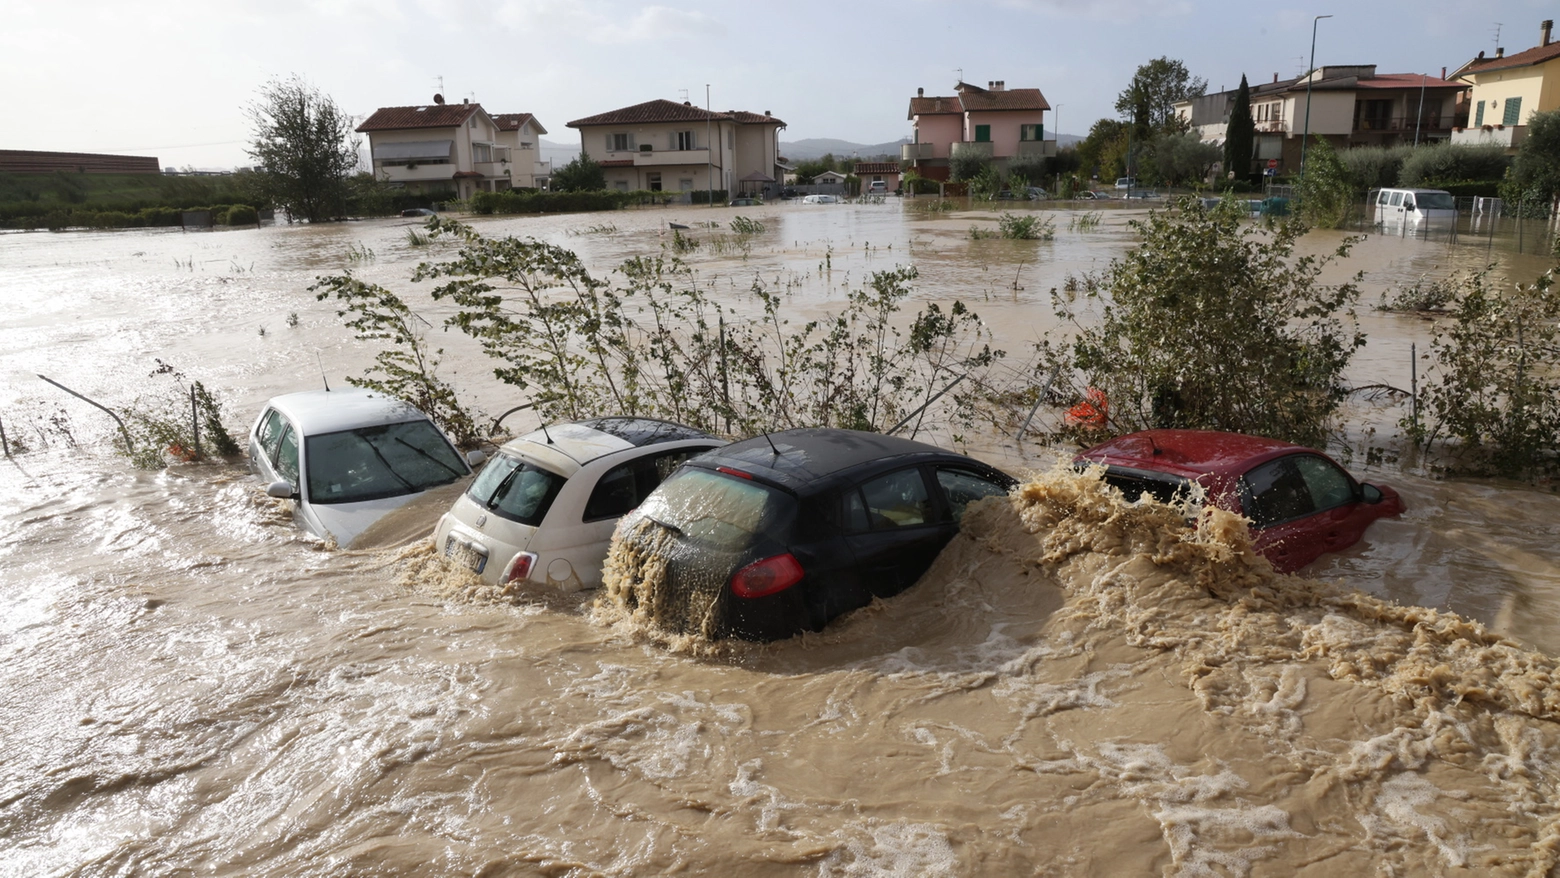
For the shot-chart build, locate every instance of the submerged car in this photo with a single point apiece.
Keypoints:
(1092, 195)
(780, 534)
(820, 199)
(544, 507)
(348, 457)
(1300, 502)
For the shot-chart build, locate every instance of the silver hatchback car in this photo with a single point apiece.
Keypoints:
(544, 507)
(348, 457)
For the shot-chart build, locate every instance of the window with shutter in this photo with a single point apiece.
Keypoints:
(1478, 115)
(1513, 112)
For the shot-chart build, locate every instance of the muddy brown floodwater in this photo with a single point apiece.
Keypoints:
(190, 686)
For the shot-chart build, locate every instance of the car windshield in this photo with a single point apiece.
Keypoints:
(724, 512)
(372, 463)
(1133, 484)
(1434, 200)
(516, 489)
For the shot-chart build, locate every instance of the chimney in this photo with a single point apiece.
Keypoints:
(920, 92)
(1002, 85)
(991, 84)
(766, 112)
(465, 100)
(1443, 74)
(1544, 28)
(1500, 51)
(1275, 79)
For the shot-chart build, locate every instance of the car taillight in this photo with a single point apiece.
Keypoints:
(733, 472)
(767, 577)
(519, 568)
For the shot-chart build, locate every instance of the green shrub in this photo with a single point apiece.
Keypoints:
(241, 215)
(702, 196)
(1447, 161)
(1027, 227)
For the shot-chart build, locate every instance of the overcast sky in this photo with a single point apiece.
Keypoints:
(171, 78)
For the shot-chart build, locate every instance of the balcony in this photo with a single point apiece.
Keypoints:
(1036, 149)
(491, 169)
(541, 169)
(981, 148)
(1401, 124)
(414, 172)
(1508, 136)
(915, 152)
(671, 157)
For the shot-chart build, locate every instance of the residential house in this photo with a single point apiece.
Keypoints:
(1509, 88)
(872, 172)
(997, 123)
(663, 145)
(521, 134)
(1349, 105)
(438, 148)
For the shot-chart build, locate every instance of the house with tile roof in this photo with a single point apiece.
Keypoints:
(663, 145)
(996, 122)
(1350, 105)
(521, 133)
(1507, 89)
(886, 173)
(441, 147)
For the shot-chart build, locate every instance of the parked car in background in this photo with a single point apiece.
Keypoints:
(544, 507)
(1035, 193)
(820, 199)
(744, 201)
(418, 211)
(1090, 195)
(348, 457)
(1414, 207)
(772, 536)
(1126, 182)
(1300, 502)
(877, 187)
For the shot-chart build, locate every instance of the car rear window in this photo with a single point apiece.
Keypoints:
(372, 463)
(1133, 484)
(725, 512)
(516, 489)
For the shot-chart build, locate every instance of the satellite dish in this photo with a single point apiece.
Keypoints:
(438, 99)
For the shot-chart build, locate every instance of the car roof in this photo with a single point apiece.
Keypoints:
(1190, 452)
(813, 454)
(564, 448)
(329, 411)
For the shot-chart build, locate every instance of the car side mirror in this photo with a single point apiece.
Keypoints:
(475, 458)
(1370, 494)
(281, 491)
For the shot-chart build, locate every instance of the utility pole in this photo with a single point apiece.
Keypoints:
(1310, 77)
(1422, 78)
(709, 147)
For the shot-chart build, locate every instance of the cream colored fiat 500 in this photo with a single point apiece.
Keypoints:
(544, 507)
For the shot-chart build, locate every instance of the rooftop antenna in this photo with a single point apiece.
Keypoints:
(960, 72)
(771, 443)
(547, 434)
(321, 361)
(441, 84)
(1497, 34)
(684, 93)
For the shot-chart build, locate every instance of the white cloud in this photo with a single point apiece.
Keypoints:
(595, 24)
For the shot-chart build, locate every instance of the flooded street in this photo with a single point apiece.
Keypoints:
(190, 685)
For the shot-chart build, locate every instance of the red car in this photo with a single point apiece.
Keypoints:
(1301, 504)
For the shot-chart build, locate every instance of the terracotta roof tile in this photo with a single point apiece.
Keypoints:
(877, 168)
(1535, 55)
(745, 118)
(433, 116)
(934, 106)
(649, 112)
(973, 99)
(1408, 80)
(513, 121)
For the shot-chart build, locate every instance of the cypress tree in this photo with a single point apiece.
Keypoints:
(1240, 135)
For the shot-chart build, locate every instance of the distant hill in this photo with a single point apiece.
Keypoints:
(559, 154)
(817, 147)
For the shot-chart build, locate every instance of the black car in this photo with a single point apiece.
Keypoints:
(771, 536)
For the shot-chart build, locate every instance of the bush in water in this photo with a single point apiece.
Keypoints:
(407, 368)
(649, 342)
(164, 423)
(1493, 389)
(1212, 323)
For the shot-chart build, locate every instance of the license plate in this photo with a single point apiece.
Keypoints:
(466, 552)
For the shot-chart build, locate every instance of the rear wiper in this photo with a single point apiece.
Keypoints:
(671, 527)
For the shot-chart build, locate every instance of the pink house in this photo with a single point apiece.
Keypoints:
(996, 122)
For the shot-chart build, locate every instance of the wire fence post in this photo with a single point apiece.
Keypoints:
(195, 421)
(1413, 386)
(4, 441)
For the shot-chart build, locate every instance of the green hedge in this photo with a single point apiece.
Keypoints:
(532, 201)
(58, 219)
(1485, 188)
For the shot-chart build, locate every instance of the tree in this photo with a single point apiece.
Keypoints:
(1326, 191)
(1149, 99)
(1534, 180)
(305, 149)
(1103, 152)
(1240, 135)
(581, 174)
(1177, 159)
(1215, 323)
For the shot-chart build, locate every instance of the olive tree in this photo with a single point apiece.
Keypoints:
(305, 149)
(1214, 323)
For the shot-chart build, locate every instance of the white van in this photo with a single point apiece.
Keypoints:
(1414, 206)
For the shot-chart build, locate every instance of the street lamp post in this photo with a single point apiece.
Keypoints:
(1421, 117)
(709, 150)
(1310, 76)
